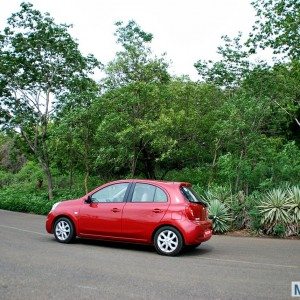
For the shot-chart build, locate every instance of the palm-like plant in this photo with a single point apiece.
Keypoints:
(275, 209)
(218, 213)
(294, 210)
(294, 197)
(221, 193)
(233, 203)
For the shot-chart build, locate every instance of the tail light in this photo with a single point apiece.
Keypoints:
(190, 213)
(196, 212)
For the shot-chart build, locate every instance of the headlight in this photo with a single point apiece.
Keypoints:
(55, 205)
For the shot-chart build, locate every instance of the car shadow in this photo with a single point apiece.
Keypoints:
(200, 250)
(115, 245)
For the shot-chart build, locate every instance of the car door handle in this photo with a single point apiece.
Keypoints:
(115, 210)
(157, 210)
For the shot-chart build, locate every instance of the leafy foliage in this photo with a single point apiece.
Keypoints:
(274, 208)
(38, 59)
(294, 209)
(277, 26)
(233, 66)
(294, 195)
(218, 213)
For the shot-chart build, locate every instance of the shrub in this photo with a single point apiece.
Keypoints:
(6, 178)
(30, 172)
(274, 209)
(294, 209)
(255, 220)
(219, 215)
(235, 204)
(27, 201)
(279, 230)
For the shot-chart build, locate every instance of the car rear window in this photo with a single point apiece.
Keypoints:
(191, 195)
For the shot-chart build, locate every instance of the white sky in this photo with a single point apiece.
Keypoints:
(186, 30)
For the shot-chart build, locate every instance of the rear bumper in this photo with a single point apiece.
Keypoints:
(198, 232)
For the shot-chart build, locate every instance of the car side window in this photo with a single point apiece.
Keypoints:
(160, 196)
(111, 193)
(148, 193)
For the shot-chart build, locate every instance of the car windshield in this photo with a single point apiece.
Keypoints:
(191, 195)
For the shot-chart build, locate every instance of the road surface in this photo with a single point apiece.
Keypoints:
(34, 266)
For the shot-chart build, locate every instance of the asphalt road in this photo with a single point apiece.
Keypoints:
(34, 266)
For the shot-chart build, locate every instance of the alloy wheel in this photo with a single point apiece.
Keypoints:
(167, 241)
(62, 230)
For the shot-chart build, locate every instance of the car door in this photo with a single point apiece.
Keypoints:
(144, 210)
(103, 216)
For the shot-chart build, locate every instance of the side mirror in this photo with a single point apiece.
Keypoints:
(88, 200)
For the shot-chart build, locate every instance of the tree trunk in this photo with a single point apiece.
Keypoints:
(148, 164)
(71, 178)
(86, 179)
(47, 172)
(214, 163)
(38, 144)
(133, 163)
(237, 181)
(50, 184)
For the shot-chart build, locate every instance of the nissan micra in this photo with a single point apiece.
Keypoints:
(168, 215)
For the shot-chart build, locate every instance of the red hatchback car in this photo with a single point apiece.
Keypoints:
(167, 214)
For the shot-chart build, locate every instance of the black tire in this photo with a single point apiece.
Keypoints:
(168, 241)
(64, 230)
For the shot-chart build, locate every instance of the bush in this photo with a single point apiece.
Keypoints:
(11, 199)
(30, 173)
(294, 210)
(279, 230)
(269, 213)
(274, 209)
(235, 204)
(6, 178)
(29, 202)
(218, 213)
(255, 220)
(20, 192)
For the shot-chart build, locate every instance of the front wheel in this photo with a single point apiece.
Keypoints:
(168, 241)
(64, 231)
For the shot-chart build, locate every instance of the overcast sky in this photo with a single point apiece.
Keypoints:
(186, 30)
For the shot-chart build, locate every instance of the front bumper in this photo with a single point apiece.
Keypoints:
(49, 223)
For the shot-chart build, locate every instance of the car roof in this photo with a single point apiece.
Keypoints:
(159, 182)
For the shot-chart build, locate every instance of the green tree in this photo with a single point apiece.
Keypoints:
(133, 98)
(277, 26)
(135, 63)
(280, 84)
(11, 157)
(73, 132)
(37, 59)
(192, 112)
(231, 69)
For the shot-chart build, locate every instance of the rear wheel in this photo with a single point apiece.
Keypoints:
(168, 241)
(64, 231)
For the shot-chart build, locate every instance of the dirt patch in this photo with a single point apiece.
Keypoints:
(249, 233)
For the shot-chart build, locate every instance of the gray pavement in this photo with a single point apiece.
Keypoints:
(34, 266)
